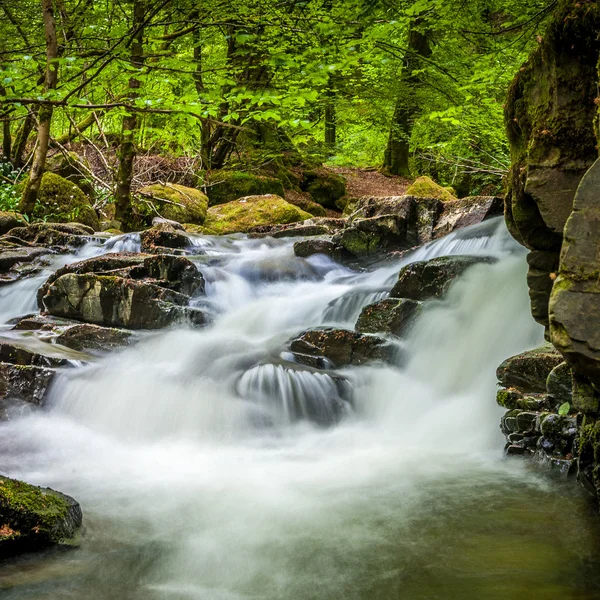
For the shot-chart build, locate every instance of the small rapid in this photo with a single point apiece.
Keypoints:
(200, 476)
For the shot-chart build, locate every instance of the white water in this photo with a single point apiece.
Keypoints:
(191, 490)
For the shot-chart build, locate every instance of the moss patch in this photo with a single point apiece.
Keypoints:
(242, 215)
(174, 202)
(227, 186)
(425, 187)
(62, 201)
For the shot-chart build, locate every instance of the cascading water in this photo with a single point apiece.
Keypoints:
(200, 479)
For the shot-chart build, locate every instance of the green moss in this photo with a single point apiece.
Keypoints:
(425, 187)
(174, 202)
(508, 399)
(325, 187)
(360, 243)
(227, 186)
(242, 215)
(61, 201)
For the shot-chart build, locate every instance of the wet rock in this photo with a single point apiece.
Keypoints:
(389, 317)
(307, 248)
(14, 255)
(162, 238)
(514, 399)
(24, 383)
(529, 370)
(61, 237)
(343, 347)
(93, 337)
(125, 290)
(558, 433)
(19, 354)
(431, 279)
(457, 214)
(33, 517)
(543, 267)
(559, 384)
(282, 231)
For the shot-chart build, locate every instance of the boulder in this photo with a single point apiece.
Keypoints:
(457, 214)
(529, 370)
(559, 384)
(423, 280)
(425, 187)
(60, 237)
(162, 238)
(306, 248)
(574, 309)
(125, 290)
(246, 213)
(304, 201)
(226, 186)
(172, 202)
(62, 201)
(343, 347)
(32, 517)
(325, 187)
(85, 336)
(23, 383)
(9, 220)
(389, 317)
(73, 167)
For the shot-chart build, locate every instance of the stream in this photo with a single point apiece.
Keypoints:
(199, 479)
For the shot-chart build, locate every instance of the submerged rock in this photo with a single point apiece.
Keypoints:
(391, 317)
(32, 517)
(423, 280)
(529, 370)
(125, 290)
(343, 347)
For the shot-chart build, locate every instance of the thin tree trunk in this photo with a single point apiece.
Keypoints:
(124, 211)
(397, 152)
(6, 139)
(21, 138)
(45, 113)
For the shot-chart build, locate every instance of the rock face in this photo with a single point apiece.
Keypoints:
(124, 290)
(226, 186)
(62, 201)
(173, 202)
(423, 280)
(391, 317)
(246, 213)
(342, 347)
(33, 517)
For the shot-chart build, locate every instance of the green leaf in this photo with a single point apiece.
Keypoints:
(564, 409)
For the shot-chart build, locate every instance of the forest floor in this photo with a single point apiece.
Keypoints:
(369, 182)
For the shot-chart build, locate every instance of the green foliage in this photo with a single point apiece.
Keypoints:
(564, 408)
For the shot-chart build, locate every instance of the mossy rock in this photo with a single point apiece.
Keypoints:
(325, 187)
(303, 201)
(240, 216)
(32, 517)
(9, 220)
(173, 202)
(226, 186)
(62, 201)
(73, 167)
(425, 187)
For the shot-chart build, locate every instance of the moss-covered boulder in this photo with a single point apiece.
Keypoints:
(33, 517)
(423, 280)
(62, 201)
(390, 317)
(9, 220)
(325, 187)
(303, 200)
(529, 370)
(227, 186)
(74, 167)
(425, 187)
(240, 216)
(342, 347)
(173, 202)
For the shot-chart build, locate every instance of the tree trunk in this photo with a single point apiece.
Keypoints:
(6, 139)
(124, 211)
(397, 152)
(330, 118)
(21, 138)
(45, 113)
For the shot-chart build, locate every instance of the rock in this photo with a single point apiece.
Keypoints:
(543, 267)
(574, 309)
(163, 237)
(559, 432)
(125, 290)
(226, 186)
(291, 230)
(33, 517)
(13, 255)
(529, 370)
(306, 248)
(390, 317)
(303, 200)
(93, 337)
(172, 202)
(457, 214)
(62, 201)
(559, 384)
(24, 383)
(246, 213)
(16, 353)
(343, 347)
(423, 280)
(512, 399)
(59, 237)
(325, 187)
(425, 187)
(9, 220)
(159, 221)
